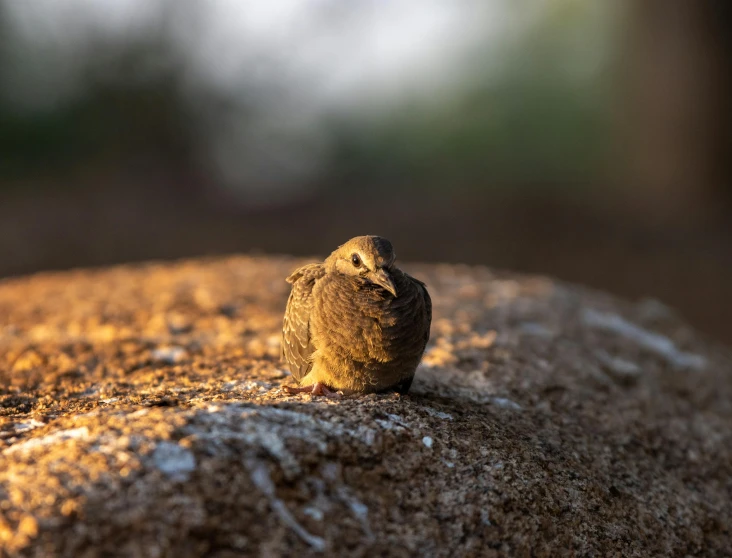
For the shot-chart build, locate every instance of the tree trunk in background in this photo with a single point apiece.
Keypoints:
(675, 103)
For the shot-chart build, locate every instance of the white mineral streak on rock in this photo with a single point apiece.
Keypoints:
(438, 414)
(49, 439)
(270, 428)
(313, 513)
(175, 461)
(397, 419)
(263, 481)
(485, 518)
(394, 422)
(169, 355)
(620, 367)
(506, 403)
(358, 508)
(659, 344)
(30, 425)
(535, 330)
(254, 384)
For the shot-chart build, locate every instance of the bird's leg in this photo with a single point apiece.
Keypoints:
(322, 389)
(293, 390)
(317, 388)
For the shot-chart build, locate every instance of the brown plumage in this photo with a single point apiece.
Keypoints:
(355, 323)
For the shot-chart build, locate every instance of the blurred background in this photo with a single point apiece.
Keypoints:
(584, 140)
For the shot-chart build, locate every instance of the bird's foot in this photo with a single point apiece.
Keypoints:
(316, 389)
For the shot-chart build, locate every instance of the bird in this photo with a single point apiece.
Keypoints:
(355, 323)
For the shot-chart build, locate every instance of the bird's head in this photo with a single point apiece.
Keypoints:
(369, 257)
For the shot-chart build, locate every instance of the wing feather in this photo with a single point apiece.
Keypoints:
(297, 345)
(422, 288)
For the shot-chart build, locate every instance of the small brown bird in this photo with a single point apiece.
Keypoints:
(355, 323)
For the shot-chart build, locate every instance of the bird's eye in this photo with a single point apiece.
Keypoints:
(356, 260)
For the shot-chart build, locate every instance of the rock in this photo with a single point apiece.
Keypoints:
(169, 355)
(546, 420)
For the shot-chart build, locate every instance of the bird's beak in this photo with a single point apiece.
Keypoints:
(381, 278)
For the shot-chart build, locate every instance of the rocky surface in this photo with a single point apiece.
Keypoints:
(141, 415)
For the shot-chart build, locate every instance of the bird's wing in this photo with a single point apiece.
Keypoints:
(422, 288)
(296, 343)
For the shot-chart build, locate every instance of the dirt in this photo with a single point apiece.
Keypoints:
(141, 414)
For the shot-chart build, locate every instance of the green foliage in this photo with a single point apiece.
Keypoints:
(538, 117)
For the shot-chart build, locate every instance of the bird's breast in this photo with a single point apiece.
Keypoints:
(368, 324)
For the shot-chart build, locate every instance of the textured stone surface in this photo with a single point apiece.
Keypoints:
(141, 415)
